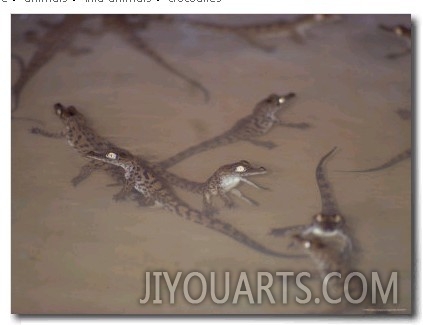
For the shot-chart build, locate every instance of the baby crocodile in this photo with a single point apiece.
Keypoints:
(402, 32)
(296, 28)
(325, 253)
(128, 30)
(146, 181)
(247, 129)
(329, 222)
(328, 256)
(84, 139)
(223, 181)
(58, 37)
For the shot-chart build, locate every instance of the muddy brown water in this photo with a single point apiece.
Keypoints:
(75, 250)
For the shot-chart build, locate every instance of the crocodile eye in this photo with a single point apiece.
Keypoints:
(112, 155)
(240, 169)
(398, 31)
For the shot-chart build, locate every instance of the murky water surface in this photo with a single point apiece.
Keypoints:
(75, 250)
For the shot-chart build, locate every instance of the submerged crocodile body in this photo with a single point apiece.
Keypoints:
(223, 182)
(327, 240)
(329, 222)
(406, 154)
(147, 182)
(248, 128)
(326, 253)
(83, 138)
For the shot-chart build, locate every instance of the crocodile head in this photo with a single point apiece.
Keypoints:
(272, 104)
(69, 114)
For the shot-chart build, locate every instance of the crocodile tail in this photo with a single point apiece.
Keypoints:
(20, 61)
(329, 205)
(183, 183)
(231, 231)
(145, 48)
(17, 87)
(286, 231)
(398, 158)
(175, 205)
(215, 142)
(16, 93)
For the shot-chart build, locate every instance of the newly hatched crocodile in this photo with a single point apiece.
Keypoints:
(223, 182)
(146, 181)
(402, 32)
(58, 37)
(84, 139)
(251, 33)
(327, 253)
(329, 222)
(248, 128)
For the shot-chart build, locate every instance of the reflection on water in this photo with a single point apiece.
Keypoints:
(76, 250)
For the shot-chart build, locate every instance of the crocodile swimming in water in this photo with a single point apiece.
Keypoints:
(223, 182)
(262, 119)
(83, 138)
(329, 222)
(146, 181)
